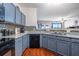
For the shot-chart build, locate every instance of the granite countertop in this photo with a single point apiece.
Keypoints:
(14, 36)
(66, 35)
(21, 34)
(71, 36)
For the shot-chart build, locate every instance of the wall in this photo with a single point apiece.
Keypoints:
(71, 22)
(51, 19)
(31, 17)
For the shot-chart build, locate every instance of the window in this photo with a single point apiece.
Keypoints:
(43, 26)
(56, 25)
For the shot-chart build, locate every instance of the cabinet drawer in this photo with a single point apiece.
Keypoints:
(63, 47)
(75, 40)
(75, 49)
(64, 38)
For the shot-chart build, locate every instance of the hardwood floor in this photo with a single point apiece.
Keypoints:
(39, 52)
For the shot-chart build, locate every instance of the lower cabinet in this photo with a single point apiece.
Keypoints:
(44, 42)
(27, 41)
(55, 44)
(24, 42)
(18, 46)
(21, 44)
(63, 47)
(52, 44)
(75, 49)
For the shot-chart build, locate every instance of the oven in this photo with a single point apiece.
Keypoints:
(7, 47)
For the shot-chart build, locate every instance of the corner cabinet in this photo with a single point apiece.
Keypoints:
(18, 46)
(21, 44)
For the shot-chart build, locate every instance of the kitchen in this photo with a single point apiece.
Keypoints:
(28, 27)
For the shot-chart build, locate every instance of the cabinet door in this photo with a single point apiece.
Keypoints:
(2, 12)
(63, 47)
(24, 42)
(52, 44)
(44, 42)
(28, 40)
(9, 12)
(18, 16)
(18, 46)
(23, 19)
(75, 49)
(41, 41)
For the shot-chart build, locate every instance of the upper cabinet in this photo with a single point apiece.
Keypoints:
(2, 12)
(9, 12)
(18, 16)
(23, 19)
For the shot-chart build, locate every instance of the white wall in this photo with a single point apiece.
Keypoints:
(71, 22)
(51, 19)
(31, 16)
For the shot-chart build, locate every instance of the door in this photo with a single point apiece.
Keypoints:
(23, 19)
(24, 39)
(52, 44)
(9, 12)
(18, 16)
(18, 46)
(45, 42)
(75, 49)
(63, 47)
(34, 41)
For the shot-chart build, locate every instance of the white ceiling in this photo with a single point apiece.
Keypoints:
(45, 11)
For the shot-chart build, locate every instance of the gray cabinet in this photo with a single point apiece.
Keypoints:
(18, 16)
(63, 47)
(75, 47)
(52, 43)
(9, 12)
(18, 46)
(44, 42)
(23, 19)
(2, 12)
(41, 41)
(25, 42)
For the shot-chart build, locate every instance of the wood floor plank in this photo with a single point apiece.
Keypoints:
(38, 52)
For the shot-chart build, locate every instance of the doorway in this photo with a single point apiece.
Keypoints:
(34, 41)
